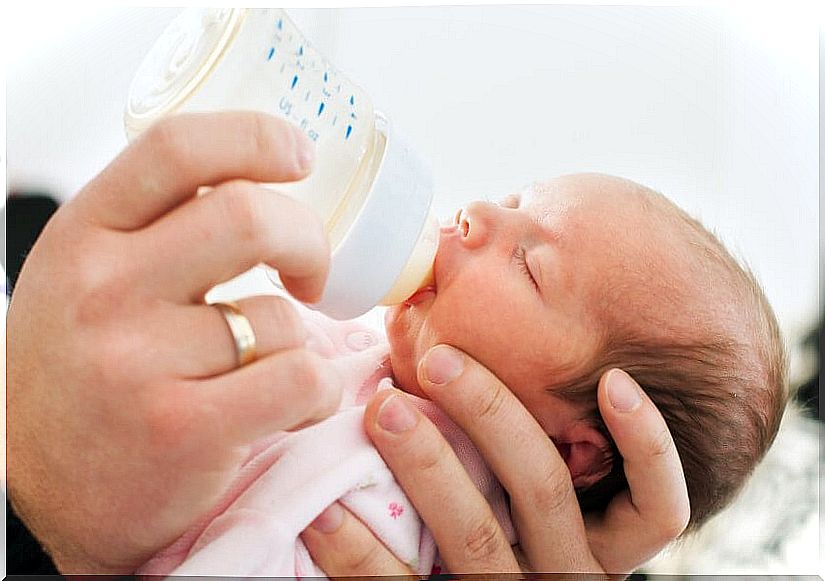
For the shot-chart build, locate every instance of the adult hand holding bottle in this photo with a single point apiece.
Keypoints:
(128, 411)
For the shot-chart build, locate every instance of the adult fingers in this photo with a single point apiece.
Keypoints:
(640, 522)
(176, 155)
(232, 228)
(197, 342)
(468, 535)
(542, 498)
(343, 546)
(287, 390)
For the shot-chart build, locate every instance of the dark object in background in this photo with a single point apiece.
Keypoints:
(808, 392)
(25, 216)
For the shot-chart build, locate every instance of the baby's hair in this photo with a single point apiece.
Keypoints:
(721, 386)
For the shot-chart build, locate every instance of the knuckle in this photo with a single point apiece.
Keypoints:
(306, 370)
(364, 561)
(428, 459)
(285, 320)
(167, 423)
(169, 142)
(483, 541)
(261, 129)
(661, 445)
(116, 353)
(271, 138)
(100, 289)
(319, 381)
(242, 209)
(492, 406)
(554, 491)
(106, 317)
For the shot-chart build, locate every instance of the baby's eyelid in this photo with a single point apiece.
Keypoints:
(538, 274)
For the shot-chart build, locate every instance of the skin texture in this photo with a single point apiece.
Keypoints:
(524, 286)
(554, 537)
(573, 233)
(127, 416)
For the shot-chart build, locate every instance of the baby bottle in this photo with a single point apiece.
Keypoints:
(371, 192)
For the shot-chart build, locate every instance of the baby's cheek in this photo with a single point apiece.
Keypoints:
(402, 342)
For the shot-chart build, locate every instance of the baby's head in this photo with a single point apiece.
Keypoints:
(588, 272)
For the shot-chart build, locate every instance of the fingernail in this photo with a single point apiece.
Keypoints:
(442, 364)
(622, 391)
(330, 520)
(305, 150)
(396, 415)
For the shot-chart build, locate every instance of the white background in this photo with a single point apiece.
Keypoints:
(714, 106)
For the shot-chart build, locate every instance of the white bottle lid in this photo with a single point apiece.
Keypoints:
(383, 236)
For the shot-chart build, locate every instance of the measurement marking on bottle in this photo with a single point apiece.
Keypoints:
(320, 109)
(326, 77)
(280, 24)
(349, 130)
(294, 81)
(283, 66)
(271, 54)
(306, 97)
(301, 50)
(285, 105)
(334, 120)
(352, 99)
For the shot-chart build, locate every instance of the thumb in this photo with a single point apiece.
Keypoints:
(656, 508)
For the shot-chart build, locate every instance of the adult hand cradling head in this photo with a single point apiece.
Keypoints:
(128, 415)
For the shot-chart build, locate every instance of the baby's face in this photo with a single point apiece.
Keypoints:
(519, 287)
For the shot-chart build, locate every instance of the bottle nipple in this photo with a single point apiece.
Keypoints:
(418, 272)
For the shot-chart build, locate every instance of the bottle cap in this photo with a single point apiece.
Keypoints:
(375, 250)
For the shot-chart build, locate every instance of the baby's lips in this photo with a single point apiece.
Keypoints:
(420, 295)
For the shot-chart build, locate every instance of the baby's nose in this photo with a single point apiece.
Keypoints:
(475, 223)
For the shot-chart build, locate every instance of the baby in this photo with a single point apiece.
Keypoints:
(548, 290)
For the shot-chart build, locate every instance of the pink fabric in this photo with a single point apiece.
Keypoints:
(291, 477)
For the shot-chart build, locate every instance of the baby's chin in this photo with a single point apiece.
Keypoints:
(404, 376)
(404, 333)
(404, 363)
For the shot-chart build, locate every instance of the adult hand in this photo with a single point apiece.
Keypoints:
(127, 412)
(554, 536)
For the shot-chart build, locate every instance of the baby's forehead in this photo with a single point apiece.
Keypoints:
(598, 196)
(563, 197)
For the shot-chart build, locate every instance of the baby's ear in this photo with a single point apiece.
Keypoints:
(587, 453)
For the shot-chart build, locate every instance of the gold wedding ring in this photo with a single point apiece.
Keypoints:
(241, 331)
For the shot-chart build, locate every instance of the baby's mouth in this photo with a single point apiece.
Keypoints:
(459, 225)
(421, 294)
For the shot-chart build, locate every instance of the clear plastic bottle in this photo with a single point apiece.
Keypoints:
(371, 192)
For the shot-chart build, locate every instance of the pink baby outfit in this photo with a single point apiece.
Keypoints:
(290, 478)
